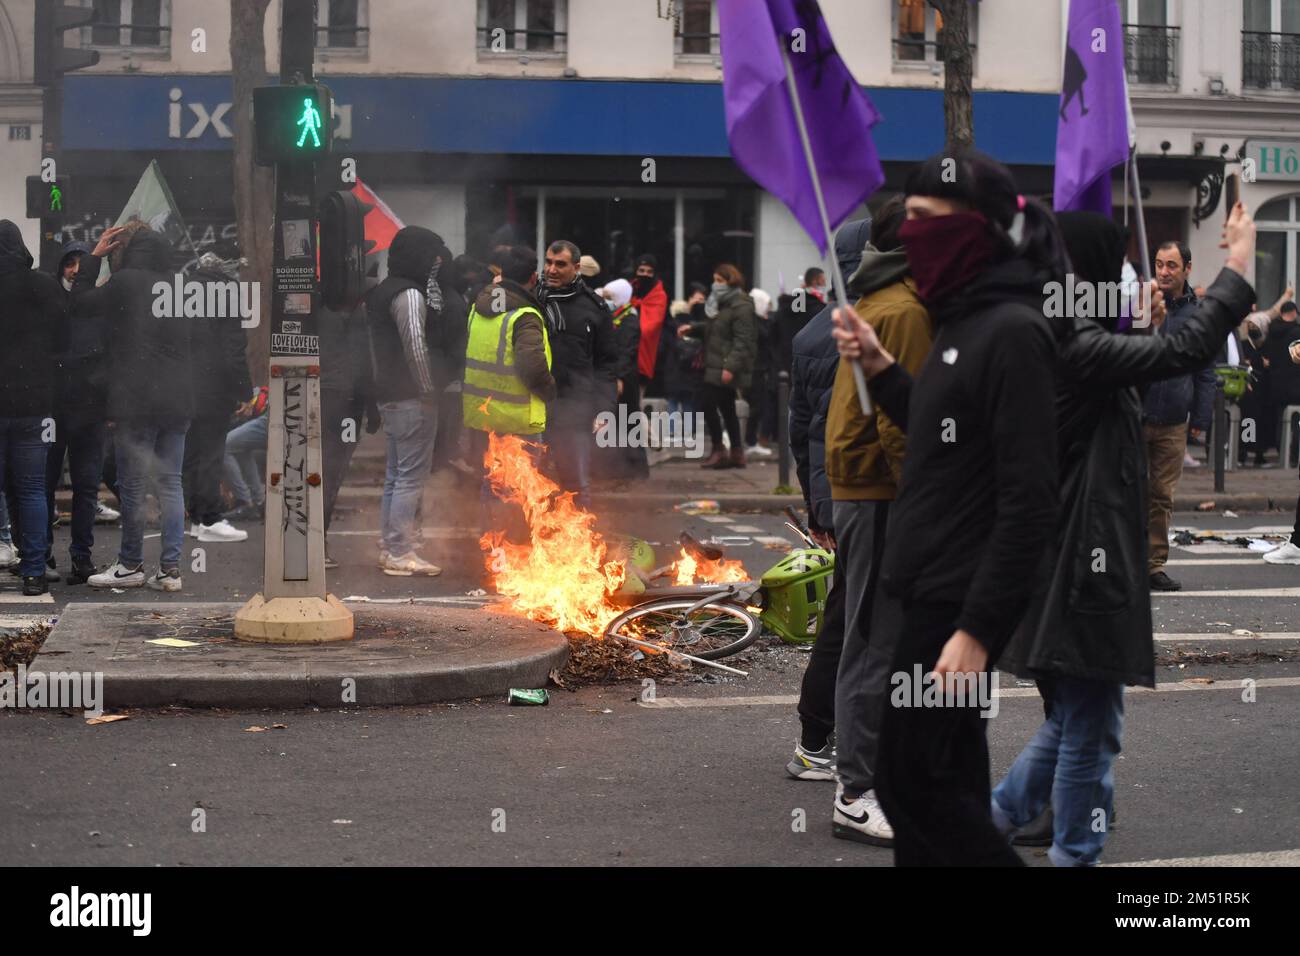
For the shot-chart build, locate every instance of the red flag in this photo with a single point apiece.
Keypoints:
(381, 222)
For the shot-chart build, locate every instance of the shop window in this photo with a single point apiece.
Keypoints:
(522, 26)
(918, 33)
(1278, 225)
(129, 23)
(342, 24)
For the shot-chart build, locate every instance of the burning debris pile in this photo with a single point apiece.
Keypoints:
(567, 574)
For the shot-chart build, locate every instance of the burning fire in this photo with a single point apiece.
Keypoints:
(689, 570)
(564, 577)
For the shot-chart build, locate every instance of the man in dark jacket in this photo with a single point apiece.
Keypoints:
(1167, 406)
(31, 332)
(1088, 630)
(80, 395)
(400, 313)
(583, 355)
(221, 383)
(150, 396)
(815, 359)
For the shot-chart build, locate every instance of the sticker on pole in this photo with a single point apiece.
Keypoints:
(282, 344)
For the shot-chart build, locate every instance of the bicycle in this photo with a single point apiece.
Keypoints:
(710, 621)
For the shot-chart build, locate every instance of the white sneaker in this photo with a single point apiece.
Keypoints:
(8, 555)
(1285, 554)
(403, 566)
(758, 451)
(166, 580)
(194, 531)
(862, 820)
(104, 514)
(222, 530)
(118, 576)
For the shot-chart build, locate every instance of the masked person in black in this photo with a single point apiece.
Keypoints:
(1088, 631)
(977, 502)
(32, 330)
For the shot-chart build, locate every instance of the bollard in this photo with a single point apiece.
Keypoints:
(783, 428)
(1220, 432)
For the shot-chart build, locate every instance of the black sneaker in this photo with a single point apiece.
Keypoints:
(81, 571)
(1163, 582)
(51, 572)
(34, 585)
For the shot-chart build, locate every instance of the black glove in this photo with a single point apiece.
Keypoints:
(373, 420)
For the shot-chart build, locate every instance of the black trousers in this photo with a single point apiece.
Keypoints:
(83, 443)
(817, 692)
(339, 419)
(205, 454)
(715, 401)
(933, 781)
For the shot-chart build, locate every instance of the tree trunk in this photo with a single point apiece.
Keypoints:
(954, 47)
(254, 185)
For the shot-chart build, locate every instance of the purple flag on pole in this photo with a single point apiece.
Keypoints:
(765, 140)
(1092, 132)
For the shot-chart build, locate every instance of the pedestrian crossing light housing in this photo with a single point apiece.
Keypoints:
(47, 200)
(292, 123)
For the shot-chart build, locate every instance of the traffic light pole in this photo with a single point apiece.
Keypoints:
(294, 606)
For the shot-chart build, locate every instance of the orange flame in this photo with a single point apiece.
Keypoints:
(563, 577)
(689, 570)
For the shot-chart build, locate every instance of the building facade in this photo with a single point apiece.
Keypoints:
(601, 121)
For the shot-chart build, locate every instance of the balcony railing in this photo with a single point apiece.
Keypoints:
(910, 50)
(698, 44)
(1151, 54)
(342, 37)
(1270, 61)
(534, 41)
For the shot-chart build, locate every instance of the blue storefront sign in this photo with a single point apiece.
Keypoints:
(495, 116)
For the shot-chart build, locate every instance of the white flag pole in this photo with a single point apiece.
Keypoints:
(841, 290)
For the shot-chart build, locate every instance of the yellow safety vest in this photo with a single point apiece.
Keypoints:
(493, 399)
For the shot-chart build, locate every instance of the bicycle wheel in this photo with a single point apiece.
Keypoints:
(710, 632)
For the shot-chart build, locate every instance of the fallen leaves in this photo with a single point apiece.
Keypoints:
(105, 719)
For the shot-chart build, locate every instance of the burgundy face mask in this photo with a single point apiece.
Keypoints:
(946, 252)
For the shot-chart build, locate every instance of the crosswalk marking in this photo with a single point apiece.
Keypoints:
(17, 597)
(789, 700)
(1255, 560)
(1248, 592)
(1262, 858)
(1216, 636)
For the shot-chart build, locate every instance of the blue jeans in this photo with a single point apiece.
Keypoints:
(411, 428)
(24, 454)
(147, 447)
(1069, 764)
(243, 444)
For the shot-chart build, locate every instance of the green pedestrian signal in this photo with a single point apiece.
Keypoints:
(310, 122)
(292, 123)
(56, 198)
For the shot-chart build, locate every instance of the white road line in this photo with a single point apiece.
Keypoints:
(773, 539)
(1253, 592)
(461, 600)
(1256, 559)
(714, 519)
(20, 621)
(1225, 636)
(24, 599)
(744, 529)
(1262, 858)
(787, 700)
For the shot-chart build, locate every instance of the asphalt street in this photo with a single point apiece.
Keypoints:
(602, 776)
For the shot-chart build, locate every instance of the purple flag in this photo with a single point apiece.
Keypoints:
(761, 125)
(1092, 132)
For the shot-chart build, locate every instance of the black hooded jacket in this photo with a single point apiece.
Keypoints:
(32, 330)
(149, 376)
(411, 257)
(221, 379)
(1091, 615)
(815, 359)
(585, 353)
(978, 498)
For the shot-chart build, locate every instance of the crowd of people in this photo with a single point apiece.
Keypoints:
(1003, 504)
